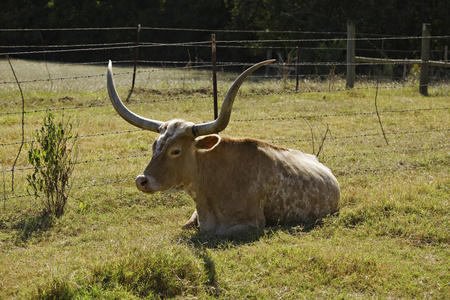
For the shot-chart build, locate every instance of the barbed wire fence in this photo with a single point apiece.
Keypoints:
(286, 43)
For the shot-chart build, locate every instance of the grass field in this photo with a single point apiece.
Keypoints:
(391, 238)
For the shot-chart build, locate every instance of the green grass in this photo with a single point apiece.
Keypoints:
(390, 239)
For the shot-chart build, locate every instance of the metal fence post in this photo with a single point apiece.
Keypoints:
(214, 69)
(425, 56)
(297, 69)
(136, 55)
(350, 55)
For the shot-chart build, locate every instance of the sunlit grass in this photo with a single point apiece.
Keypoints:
(390, 239)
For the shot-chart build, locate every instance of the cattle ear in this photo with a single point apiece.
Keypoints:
(207, 142)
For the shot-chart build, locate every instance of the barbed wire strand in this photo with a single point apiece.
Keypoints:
(147, 155)
(116, 46)
(326, 156)
(167, 29)
(247, 46)
(187, 65)
(270, 141)
(185, 29)
(241, 95)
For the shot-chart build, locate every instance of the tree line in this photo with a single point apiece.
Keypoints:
(386, 17)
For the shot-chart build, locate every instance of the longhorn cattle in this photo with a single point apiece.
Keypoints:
(236, 184)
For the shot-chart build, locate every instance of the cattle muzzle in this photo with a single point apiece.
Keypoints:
(143, 183)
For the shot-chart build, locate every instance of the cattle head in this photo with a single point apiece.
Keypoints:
(173, 163)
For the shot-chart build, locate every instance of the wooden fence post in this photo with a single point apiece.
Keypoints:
(405, 68)
(350, 55)
(425, 56)
(268, 56)
(445, 55)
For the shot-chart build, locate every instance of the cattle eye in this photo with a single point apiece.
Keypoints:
(175, 152)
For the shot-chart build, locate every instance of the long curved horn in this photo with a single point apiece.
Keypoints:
(225, 112)
(124, 112)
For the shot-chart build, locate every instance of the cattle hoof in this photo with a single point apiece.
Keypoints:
(189, 226)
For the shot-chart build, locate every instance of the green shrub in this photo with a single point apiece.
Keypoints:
(53, 155)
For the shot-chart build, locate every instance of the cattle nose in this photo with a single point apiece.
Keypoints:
(141, 182)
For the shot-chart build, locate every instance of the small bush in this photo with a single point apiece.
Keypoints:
(53, 158)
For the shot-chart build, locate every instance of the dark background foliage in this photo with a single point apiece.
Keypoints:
(386, 17)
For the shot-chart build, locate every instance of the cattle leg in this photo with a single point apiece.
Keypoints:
(192, 223)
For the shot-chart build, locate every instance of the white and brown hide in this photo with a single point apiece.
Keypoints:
(238, 184)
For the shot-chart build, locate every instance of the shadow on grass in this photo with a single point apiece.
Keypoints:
(210, 270)
(203, 240)
(32, 226)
